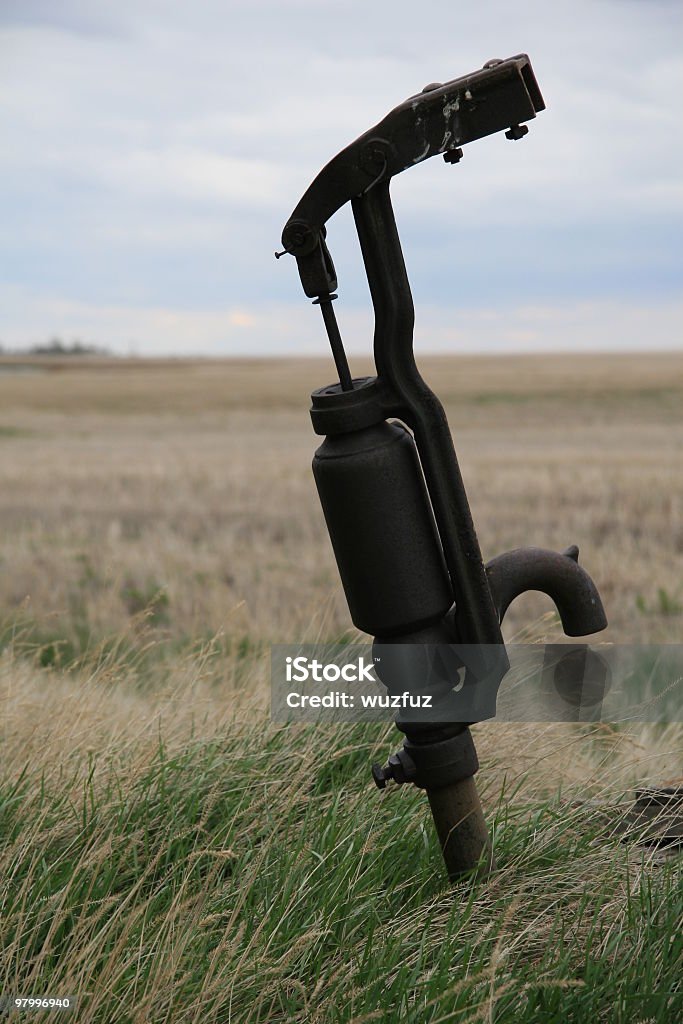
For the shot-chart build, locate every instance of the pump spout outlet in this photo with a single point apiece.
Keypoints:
(556, 574)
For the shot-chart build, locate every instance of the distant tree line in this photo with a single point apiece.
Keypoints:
(57, 347)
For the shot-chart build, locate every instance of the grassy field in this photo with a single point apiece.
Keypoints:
(168, 854)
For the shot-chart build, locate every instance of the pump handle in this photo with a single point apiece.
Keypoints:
(440, 119)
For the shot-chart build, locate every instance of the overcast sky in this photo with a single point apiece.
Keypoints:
(152, 151)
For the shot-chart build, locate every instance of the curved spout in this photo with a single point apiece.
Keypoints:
(553, 573)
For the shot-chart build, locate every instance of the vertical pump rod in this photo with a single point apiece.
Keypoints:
(335, 340)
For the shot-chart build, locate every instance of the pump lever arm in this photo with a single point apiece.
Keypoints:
(442, 117)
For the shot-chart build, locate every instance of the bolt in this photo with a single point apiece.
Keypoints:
(373, 155)
(517, 131)
(297, 237)
(432, 86)
(380, 775)
(453, 156)
(494, 62)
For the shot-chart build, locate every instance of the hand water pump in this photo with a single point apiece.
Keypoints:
(387, 473)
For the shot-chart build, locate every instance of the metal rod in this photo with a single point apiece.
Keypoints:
(336, 343)
(461, 829)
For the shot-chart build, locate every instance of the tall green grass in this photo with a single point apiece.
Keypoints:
(257, 876)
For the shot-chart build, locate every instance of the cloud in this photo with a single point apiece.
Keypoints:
(153, 151)
(81, 17)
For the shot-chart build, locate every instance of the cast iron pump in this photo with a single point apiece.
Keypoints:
(387, 473)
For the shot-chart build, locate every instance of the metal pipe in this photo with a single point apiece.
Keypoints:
(476, 617)
(461, 828)
(556, 574)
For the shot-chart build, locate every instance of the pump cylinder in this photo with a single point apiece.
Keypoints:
(382, 529)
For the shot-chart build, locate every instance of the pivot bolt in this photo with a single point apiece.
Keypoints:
(517, 131)
(453, 156)
(373, 155)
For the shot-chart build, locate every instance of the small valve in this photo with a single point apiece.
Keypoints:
(400, 767)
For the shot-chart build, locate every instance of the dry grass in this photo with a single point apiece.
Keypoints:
(158, 526)
(195, 478)
(172, 503)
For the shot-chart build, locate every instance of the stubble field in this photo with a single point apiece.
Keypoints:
(166, 853)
